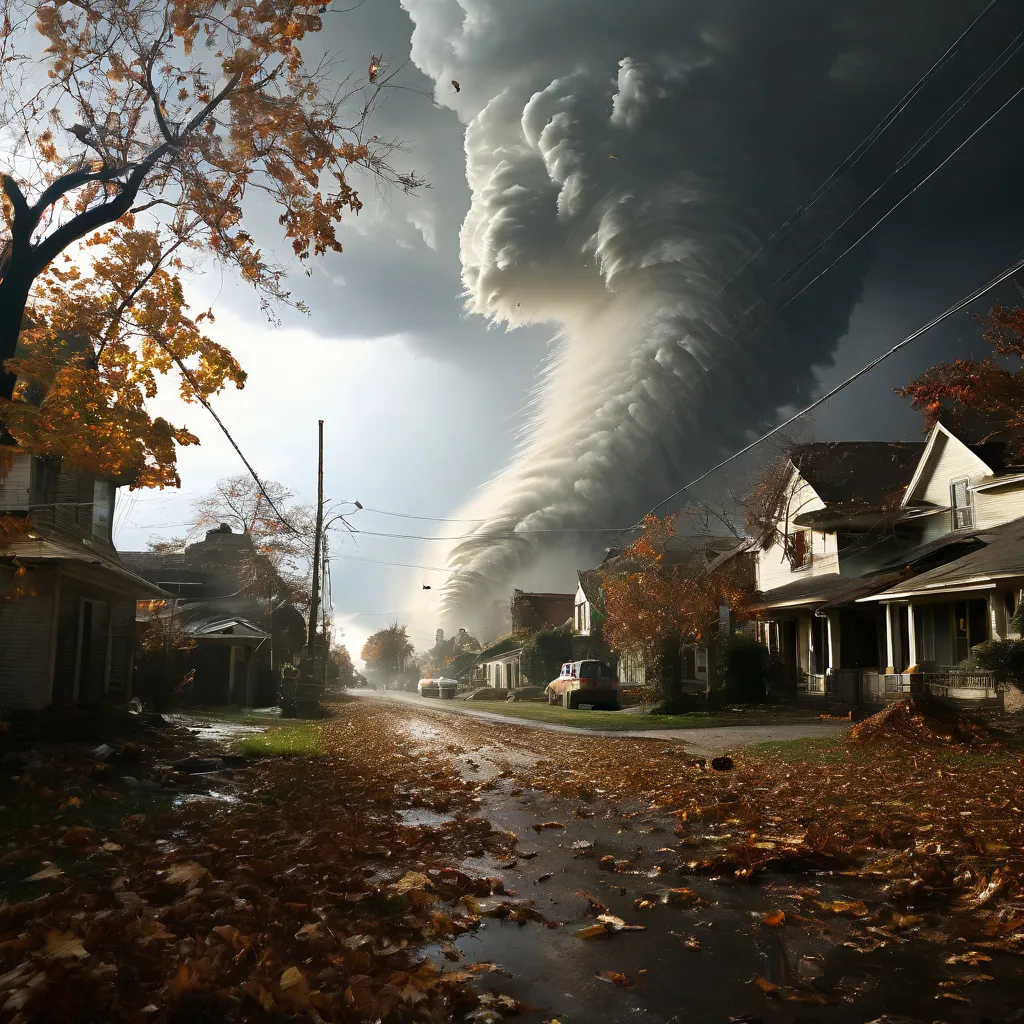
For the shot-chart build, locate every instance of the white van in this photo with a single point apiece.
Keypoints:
(443, 688)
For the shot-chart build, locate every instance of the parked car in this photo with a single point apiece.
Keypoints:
(442, 688)
(582, 683)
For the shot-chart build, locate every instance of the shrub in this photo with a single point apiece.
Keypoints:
(743, 668)
(1004, 657)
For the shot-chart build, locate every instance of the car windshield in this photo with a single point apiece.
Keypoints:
(595, 670)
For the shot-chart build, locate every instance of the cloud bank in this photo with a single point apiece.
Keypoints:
(623, 162)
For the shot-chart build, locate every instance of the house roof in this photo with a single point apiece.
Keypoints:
(822, 591)
(590, 584)
(105, 569)
(867, 474)
(233, 627)
(500, 646)
(1000, 557)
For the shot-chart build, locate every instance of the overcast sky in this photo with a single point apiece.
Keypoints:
(426, 403)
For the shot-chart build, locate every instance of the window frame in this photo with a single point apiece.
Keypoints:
(966, 510)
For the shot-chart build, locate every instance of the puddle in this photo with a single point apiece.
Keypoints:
(694, 962)
(214, 732)
(424, 817)
(213, 796)
(422, 732)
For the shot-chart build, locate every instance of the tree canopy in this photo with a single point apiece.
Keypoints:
(980, 395)
(139, 135)
(387, 651)
(652, 599)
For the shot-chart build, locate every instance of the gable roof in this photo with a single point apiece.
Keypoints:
(990, 455)
(865, 474)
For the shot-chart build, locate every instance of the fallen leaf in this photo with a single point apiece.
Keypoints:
(592, 931)
(541, 826)
(64, 946)
(187, 873)
(971, 957)
(774, 918)
(111, 847)
(615, 978)
(50, 871)
(852, 908)
(291, 978)
(77, 836)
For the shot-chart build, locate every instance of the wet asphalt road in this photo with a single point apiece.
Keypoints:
(700, 742)
(692, 962)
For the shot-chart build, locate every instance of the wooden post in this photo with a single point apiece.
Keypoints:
(891, 665)
(315, 594)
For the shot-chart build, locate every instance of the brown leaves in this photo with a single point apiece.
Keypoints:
(64, 946)
(608, 924)
(543, 825)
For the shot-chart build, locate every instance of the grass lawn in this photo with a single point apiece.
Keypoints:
(807, 750)
(605, 721)
(297, 738)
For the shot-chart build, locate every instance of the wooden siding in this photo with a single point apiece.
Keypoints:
(122, 650)
(993, 508)
(25, 647)
(950, 459)
(773, 567)
(16, 486)
(67, 643)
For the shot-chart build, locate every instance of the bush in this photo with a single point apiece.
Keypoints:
(1004, 657)
(545, 653)
(743, 669)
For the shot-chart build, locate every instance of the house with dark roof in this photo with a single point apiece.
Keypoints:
(231, 604)
(67, 602)
(857, 524)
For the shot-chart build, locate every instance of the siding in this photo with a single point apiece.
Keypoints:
(67, 641)
(25, 647)
(993, 508)
(122, 649)
(15, 487)
(773, 568)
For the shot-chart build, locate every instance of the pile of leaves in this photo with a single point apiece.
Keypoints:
(308, 897)
(920, 719)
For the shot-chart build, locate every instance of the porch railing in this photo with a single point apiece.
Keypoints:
(943, 683)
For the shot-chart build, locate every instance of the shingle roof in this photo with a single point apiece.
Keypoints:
(1002, 556)
(824, 591)
(862, 473)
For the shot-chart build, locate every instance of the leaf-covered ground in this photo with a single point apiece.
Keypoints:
(314, 886)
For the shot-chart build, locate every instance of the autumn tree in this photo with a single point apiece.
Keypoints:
(980, 395)
(387, 651)
(138, 136)
(655, 599)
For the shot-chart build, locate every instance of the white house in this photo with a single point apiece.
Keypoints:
(842, 605)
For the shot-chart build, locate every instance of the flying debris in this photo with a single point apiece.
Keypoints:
(426, 586)
(612, 156)
(456, 86)
(374, 69)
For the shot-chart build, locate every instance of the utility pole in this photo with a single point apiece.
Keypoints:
(314, 601)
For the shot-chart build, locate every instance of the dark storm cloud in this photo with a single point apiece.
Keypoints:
(623, 161)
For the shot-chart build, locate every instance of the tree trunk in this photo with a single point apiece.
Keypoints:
(14, 289)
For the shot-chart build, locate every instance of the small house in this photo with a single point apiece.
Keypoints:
(67, 603)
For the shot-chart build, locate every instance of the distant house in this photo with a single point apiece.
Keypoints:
(532, 612)
(225, 594)
(499, 664)
(67, 603)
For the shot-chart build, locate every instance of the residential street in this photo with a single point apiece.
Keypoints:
(395, 862)
(711, 740)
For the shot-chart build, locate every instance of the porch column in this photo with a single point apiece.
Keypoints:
(833, 641)
(912, 636)
(996, 615)
(889, 641)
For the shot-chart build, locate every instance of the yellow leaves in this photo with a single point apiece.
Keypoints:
(846, 908)
(188, 873)
(45, 874)
(64, 946)
(774, 918)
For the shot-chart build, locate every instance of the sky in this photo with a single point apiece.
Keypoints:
(545, 338)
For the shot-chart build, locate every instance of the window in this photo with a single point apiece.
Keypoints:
(800, 549)
(102, 508)
(961, 502)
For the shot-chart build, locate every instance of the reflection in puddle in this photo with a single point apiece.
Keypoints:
(214, 796)
(425, 817)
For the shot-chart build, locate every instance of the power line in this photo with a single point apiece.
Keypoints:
(432, 519)
(930, 133)
(1004, 275)
(852, 158)
(490, 536)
